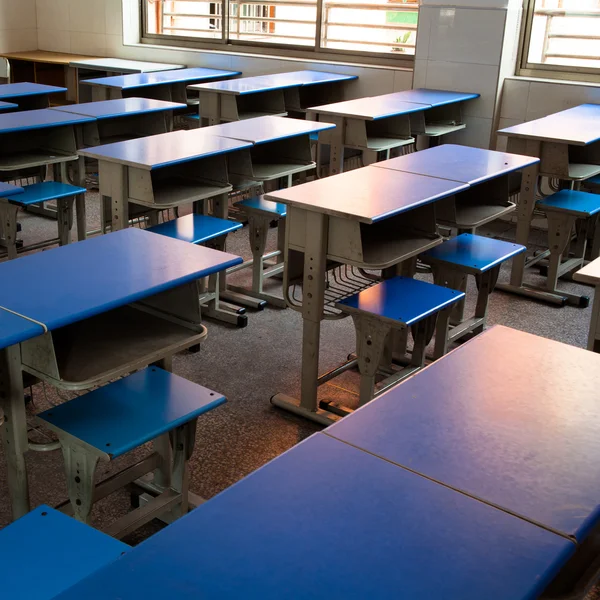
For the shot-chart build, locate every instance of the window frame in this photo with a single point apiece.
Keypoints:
(289, 51)
(545, 71)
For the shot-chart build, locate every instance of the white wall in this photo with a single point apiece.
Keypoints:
(18, 29)
(95, 27)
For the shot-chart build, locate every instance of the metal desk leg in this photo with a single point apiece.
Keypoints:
(115, 185)
(594, 336)
(14, 429)
(313, 298)
(336, 148)
(524, 216)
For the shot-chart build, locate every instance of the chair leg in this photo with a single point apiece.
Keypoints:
(80, 468)
(371, 335)
(456, 280)
(259, 229)
(441, 333)
(64, 219)
(9, 213)
(485, 284)
(559, 236)
(421, 332)
(182, 439)
(280, 239)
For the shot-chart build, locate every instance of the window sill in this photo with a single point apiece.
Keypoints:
(556, 80)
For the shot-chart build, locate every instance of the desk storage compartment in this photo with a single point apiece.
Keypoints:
(438, 120)
(477, 205)
(112, 344)
(38, 147)
(376, 246)
(230, 107)
(584, 161)
(108, 131)
(178, 184)
(300, 98)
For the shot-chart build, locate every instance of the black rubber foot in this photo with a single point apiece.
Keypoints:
(194, 349)
(134, 500)
(584, 301)
(544, 271)
(262, 305)
(242, 321)
(240, 311)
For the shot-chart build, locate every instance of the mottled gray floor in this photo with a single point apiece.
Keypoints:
(250, 365)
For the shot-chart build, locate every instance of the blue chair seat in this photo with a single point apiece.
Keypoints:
(578, 204)
(196, 229)
(268, 208)
(44, 191)
(473, 253)
(593, 180)
(401, 300)
(195, 116)
(59, 550)
(123, 415)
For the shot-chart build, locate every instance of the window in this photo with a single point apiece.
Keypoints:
(562, 37)
(381, 27)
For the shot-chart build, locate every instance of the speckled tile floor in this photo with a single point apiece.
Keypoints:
(250, 365)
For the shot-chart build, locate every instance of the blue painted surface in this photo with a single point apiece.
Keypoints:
(70, 551)
(401, 299)
(265, 129)
(396, 535)
(120, 107)
(112, 270)
(127, 413)
(8, 105)
(584, 203)
(196, 229)
(247, 85)
(509, 417)
(165, 149)
(435, 97)
(309, 77)
(475, 252)
(45, 190)
(15, 329)
(7, 189)
(559, 127)
(594, 180)
(459, 163)
(39, 119)
(16, 90)
(368, 195)
(141, 80)
(258, 203)
(373, 108)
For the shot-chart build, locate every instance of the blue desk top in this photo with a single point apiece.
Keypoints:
(509, 417)
(564, 128)
(308, 77)
(112, 270)
(370, 109)
(245, 85)
(75, 551)
(15, 329)
(141, 80)
(14, 90)
(367, 195)
(583, 111)
(39, 119)
(120, 107)
(459, 163)
(7, 189)
(267, 129)
(156, 151)
(388, 534)
(434, 97)
(8, 105)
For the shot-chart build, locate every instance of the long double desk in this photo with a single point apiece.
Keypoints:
(133, 302)
(161, 85)
(568, 146)
(382, 123)
(374, 218)
(470, 480)
(276, 94)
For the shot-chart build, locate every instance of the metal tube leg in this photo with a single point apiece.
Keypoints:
(485, 285)
(80, 210)
(183, 444)
(280, 240)
(594, 336)
(80, 466)
(14, 429)
(259, 228)
(559, 235)
(9, 213)
(64, 219)
(441, 333)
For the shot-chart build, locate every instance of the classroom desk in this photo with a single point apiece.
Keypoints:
(8, 106)
(386, 533)
(375, 124)
(590, 274)
(89, 327)
(163, 171)
(84, 68)
(123, 118)
(485, 171)
(568, 146)
(161, 85)
(41, 66)
(28, 96)
(509, 418)
(369, 218)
